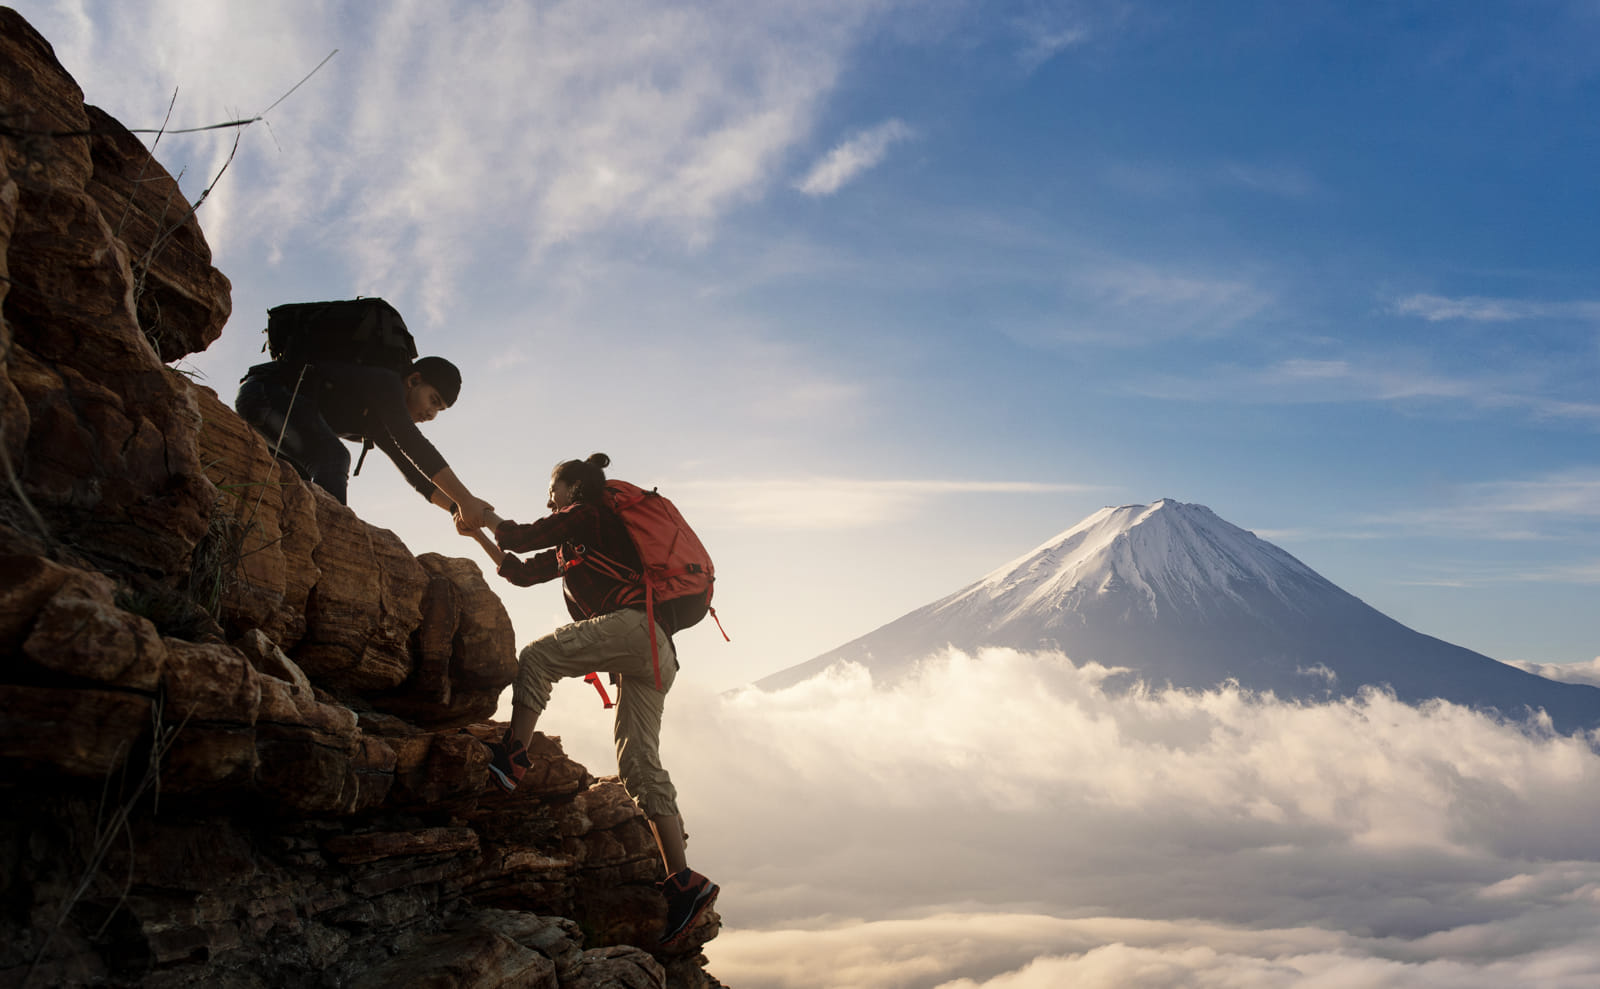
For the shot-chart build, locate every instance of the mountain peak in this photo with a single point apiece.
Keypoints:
(1169, 554)
(1178, 596)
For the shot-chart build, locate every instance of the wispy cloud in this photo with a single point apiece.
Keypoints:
(840, 503)
(1047, 31)
(1366, 378)
(565, 121)
(1131, 304)
(1165, 180)
(857, 154)
(1478, 309)
(1301, 380)
(1285, 181)
(1539, 507)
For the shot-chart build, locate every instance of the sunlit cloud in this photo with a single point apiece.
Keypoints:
(1127, 953)
(569, 120)
(1565, 672)
(1006, 819)
(858, 154)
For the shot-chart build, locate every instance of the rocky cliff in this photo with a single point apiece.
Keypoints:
(238, 724)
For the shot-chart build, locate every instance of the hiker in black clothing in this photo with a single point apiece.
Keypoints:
(305, 415)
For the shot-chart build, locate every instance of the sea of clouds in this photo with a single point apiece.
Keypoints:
(1004, 820)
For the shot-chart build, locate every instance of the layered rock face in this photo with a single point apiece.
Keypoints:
(239, 726)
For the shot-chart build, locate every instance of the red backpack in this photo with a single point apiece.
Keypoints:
(677, 575)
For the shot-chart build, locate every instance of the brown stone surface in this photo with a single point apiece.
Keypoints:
(30, 581)
(464, 960)
(370, 846)
(263, 653)
(71, 731)
(80, 632)
(367, 602)
(437, 768)
(270, 520)
(181, 300)
(40, 100)
(464, 649)
(14, 419)
(207, 682)
(109, 458)
(622, 966)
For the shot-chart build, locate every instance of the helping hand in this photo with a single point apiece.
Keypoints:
(470, 514)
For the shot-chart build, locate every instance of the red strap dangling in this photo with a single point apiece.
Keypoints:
(650, 626)
(605, 698)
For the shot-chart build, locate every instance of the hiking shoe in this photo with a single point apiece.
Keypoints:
(508, 761)
(689, 895)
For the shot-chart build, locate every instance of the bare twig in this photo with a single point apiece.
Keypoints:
(7, 130)
(128, 206)
(297, 85)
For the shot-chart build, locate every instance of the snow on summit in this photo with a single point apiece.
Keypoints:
(1166, 552)
(1180, 597)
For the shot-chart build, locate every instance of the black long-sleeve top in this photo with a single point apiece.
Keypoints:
(566, 536)
(360, 402)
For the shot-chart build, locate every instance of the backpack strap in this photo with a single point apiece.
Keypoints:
(366, 445)
(650, 620)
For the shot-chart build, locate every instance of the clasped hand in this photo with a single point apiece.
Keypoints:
(468, 520)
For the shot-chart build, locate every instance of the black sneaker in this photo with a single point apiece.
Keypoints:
(508, 761)
(689, 895)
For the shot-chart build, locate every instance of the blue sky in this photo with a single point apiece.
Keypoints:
(888, 293)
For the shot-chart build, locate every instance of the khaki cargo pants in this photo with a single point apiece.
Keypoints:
(613, 643)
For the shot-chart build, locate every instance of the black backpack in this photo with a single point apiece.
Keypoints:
(358, 331)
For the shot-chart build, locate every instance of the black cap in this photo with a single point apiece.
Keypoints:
(441, 374)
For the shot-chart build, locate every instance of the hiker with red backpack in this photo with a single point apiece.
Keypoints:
(632, 574)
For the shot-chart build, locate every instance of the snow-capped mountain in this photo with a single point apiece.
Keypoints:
(1181, 597)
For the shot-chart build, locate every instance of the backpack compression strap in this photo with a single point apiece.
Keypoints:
(585, 555)
(612, 569)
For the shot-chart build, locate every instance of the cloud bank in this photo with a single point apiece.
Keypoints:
(1004, 820)
(1565, 672)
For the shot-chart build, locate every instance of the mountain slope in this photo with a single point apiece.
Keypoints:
(1180, 596)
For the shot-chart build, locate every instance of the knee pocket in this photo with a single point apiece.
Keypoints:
(570, 639)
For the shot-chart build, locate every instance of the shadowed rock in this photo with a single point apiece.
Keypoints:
(229, 752)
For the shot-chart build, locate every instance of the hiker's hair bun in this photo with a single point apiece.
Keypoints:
(587, 477)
